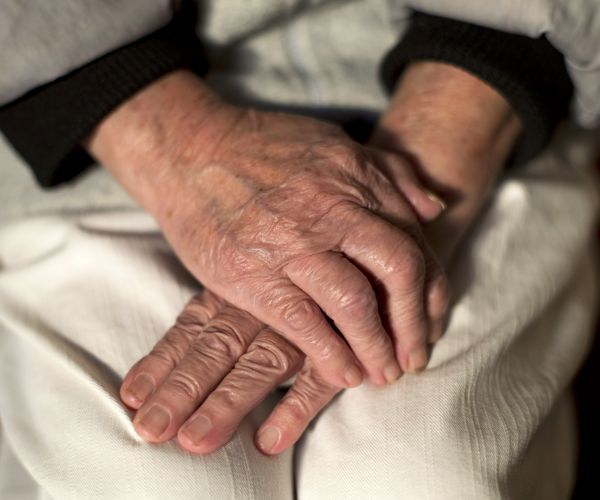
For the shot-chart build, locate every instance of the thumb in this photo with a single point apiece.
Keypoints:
(427, 205)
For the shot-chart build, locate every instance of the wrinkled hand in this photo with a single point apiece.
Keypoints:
(185, 362)
(218, 363)
(286, 218)
(212, 368)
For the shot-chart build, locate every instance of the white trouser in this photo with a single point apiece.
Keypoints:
(83, 297)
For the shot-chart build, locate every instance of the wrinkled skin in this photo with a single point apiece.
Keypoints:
(196, 360)
(219, 358)
(289, 219)
(308, 218)
(212, 368)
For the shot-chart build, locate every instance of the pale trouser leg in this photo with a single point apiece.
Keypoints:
(81, 299)
(489, 417)
(15, 482)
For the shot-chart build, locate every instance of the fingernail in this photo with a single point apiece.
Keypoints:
(417, 360)
(197, 428)
(392, 372)
(155, 421)
(141, 387)
(268, 438)
(436, 199)
(353, 377)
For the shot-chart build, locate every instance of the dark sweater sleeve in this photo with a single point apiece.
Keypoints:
(47, 125)
(530, 73)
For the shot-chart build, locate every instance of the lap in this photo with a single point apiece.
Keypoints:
(91, 296)
(82, 298)
(489, 418)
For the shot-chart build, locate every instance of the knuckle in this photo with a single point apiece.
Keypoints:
(346, 154)
(298, 408)
(223, 341)
(308, 396)
(348, 211)
(303, 316)
(205, 304)
(358, 303)
(188, 323)
(196, 313)
(270, 356)
(163, 357)
(409, 263)
(185, 385)
(227, 396)
(171, 348)
(414, 271)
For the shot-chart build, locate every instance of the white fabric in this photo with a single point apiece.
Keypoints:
(82, 296)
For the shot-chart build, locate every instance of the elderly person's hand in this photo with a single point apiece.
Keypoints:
(286, 218)
(220, 358)
(196, 363)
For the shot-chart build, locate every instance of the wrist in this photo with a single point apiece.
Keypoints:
(458, 131)
(157, 131)
(438, 109)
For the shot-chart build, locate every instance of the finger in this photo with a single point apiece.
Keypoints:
(209, 358)
(300, 405)
(427, 205)
(299, 319)
(346, 296)
(437, 290)
(398, 265)
(149, 372)
(269, 361)
(393, 208)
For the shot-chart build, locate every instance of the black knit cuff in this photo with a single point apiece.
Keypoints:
(530, 73)
(47, 125)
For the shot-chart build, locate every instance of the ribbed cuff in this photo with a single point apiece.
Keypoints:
(47, 125)
(530, 73)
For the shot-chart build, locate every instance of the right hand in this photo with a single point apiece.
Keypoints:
(286, 218)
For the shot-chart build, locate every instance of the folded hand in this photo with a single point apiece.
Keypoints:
(213, 367)
(289, 219)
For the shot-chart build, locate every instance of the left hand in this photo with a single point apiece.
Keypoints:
(220, 356)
